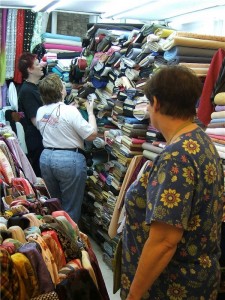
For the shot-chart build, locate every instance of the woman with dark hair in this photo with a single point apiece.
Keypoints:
(62, 162)
(29, 101)
(171, 238)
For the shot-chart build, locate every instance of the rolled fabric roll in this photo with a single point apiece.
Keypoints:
(113, 58)
(133, 53)
(219, 99)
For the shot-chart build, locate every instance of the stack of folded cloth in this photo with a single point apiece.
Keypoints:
(216, 127)
(60, 43)
(191, 47)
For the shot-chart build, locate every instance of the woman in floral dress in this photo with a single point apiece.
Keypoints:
(171, 239)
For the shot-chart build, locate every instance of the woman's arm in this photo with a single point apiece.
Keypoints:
(156, 254)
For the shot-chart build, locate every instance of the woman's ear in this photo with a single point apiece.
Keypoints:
(156, 104)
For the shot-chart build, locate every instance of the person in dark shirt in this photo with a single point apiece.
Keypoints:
(29, 101)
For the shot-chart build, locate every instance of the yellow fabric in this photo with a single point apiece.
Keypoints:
(5, 168)
(163, 32)
(47, 256)
(87, 265)
(219, 99)
(27, 279)
(191, 42)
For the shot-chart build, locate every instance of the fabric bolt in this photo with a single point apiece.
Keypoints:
(188, 51)
(69, 268)
(29, 21)
(28, 283)
(19, 207)
(61, 42)
(34, 221)
(205, 107)
(55, 250)
(5, 168)
(20, 221)
(79, 285)
(11, 43)
(67, 226)
(32, 251)
(31, 230)
(47, 296)
(17, 233)
(22, 159)
(19, 43)
(219, 99)
(218, 115)
(23, 186)
(47, 256)
(10, 289)
(9, 246)
(6, 150)
(220, 108)
(215, 131)
(70, 247)
(51, 238)
(3, 47)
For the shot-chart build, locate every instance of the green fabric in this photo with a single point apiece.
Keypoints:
(2, 67)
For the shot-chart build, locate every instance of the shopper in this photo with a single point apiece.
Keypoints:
(62, 162)
(29, 101)
(171, 239)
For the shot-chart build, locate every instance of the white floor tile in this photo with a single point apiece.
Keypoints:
(106, 271)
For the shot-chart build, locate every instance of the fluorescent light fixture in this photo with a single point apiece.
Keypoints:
(47, 5)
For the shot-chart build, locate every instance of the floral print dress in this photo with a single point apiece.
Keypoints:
(183, 188)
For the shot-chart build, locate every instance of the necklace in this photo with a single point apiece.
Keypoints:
(182, 126)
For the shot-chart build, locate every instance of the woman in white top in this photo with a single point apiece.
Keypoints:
(62, 162)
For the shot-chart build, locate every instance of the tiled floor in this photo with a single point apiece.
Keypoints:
(106, 271)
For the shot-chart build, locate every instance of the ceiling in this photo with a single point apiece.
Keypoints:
(146, 10)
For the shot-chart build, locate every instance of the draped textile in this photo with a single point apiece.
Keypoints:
(19, 43)
(36, 38)
(9, 278)
(28, 29)
(3, 45)
(11, 42)
(205, 104)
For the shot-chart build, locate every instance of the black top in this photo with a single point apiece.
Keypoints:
(29, 101)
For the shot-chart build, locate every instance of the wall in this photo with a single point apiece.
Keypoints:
(70, 24)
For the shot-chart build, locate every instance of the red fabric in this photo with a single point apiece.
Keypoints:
(19, 43)
(205, 105)
(137, 141)
(219, 137)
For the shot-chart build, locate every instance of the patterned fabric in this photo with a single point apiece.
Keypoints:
(28, 29)
(32, 251)
(6, 151)
(36, 38)
(19, 43)
(26, 274)
(51, 239)
(184, 189)
(5, 168)
(47, 256)
(9, 279)
(70, 246)
(47, 296)
(11, 43)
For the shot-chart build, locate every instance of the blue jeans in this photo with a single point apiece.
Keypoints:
(65, 174)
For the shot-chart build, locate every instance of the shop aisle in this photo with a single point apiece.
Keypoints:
(106, 271)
